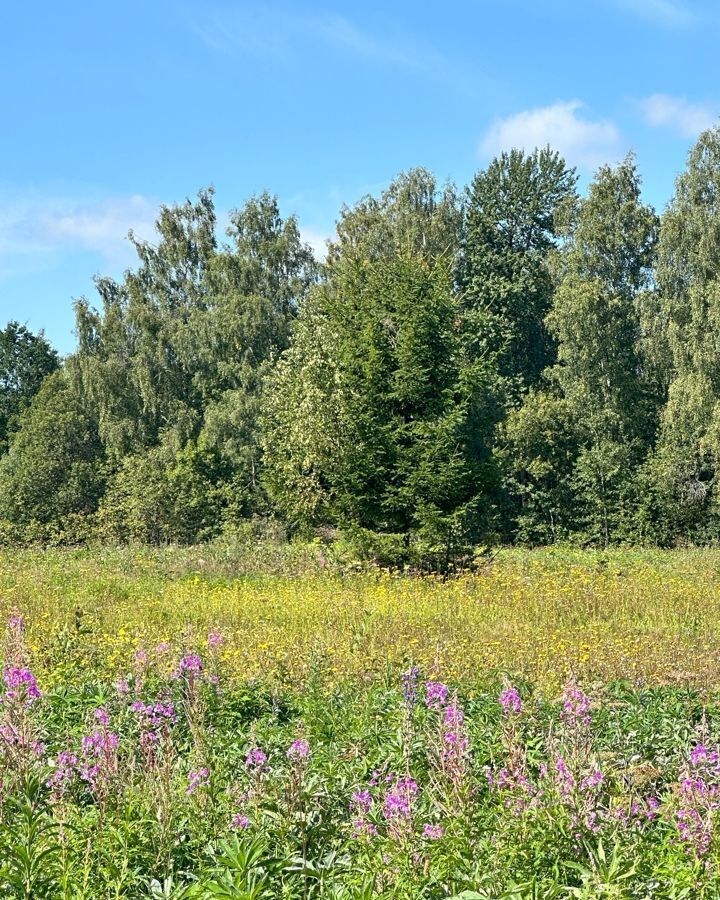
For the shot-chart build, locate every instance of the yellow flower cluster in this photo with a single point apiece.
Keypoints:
(648, 617)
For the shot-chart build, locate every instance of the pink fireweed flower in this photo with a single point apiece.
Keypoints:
(510, 701)
(435, 694)
(98, 761)
(16, 624)
(433, 832)
(199, 779)
(564, 778)
(576, 706)
(21, 685)
(101, 716)
(299, 750)
(191, 666)
(399, 799)
(240, 822)
(215, 640)
(255, 759)
(361, 801)
(593, 780)
(364, 829)
(65, 769)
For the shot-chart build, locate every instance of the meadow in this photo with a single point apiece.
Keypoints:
(264, 722)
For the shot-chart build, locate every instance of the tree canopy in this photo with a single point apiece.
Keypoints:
(515, 361)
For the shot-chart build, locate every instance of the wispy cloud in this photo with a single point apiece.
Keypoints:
(582, 141)
(264, 33)
(678, 113)
(35, 229)
(672, 13)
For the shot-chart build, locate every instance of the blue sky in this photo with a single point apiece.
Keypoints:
(109, 109)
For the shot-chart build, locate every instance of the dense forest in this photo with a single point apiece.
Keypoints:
(511, 362)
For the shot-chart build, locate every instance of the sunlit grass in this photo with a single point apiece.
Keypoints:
(649, 617)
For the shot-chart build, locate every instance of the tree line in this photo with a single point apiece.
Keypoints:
(511, 362)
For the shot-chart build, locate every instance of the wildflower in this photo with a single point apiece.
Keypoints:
(433, 832)
(510, 701)
(199, 779)
(215, 640)
(299, 749)
(435, 694)
(564, 778)
(191, 665)
(593, 780)
(362, 801)
(410, 686)
(101, 716)
(576, 706)
(21, 685)
(364, 829)
(99, 759)
(399, 799)
(239, 822)
(255, 759)
(16, 624)
(65, 769)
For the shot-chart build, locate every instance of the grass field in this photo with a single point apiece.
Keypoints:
(649, 617)
(259, 722)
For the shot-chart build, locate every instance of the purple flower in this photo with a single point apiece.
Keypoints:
(21, 685)
(362, 801)
(215, 640)
(364, 829)
(255, 759)
(240, 822)
(595, 779)
(65, 768)
(510, 701)
(435, 694)
(199, 779)
(576, 706)
(410, 686)
(433, 832)
(564, 778)
(299, 749)
(191, 665)
(16, 623)
(101, 716)
(399, 799)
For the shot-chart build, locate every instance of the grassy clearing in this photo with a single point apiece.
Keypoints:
(650, 617)
(213, 723)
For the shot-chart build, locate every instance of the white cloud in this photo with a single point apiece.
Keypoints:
(664, 12)
(101, 227)
(686, 118)
(317, 240)
(581, 141)
(36, 228)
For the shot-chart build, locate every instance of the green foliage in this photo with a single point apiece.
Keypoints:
(381, 415)
(515, 212)
(510, 362)
(25, 360)
(154, 498)
(55, 465)
(539, 452)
